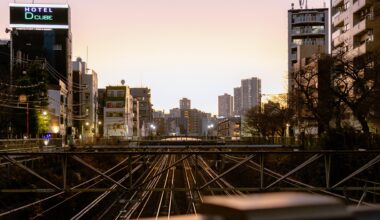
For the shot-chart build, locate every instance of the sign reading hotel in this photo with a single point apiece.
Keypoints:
(39, 16)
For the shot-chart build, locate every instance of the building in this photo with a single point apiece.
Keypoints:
(237, 101)
(49, 41)
(185, 104)
(85, 100)
(356, 32)
(225, 105)
(90, 104)
(195, 123)
(229, 128)
(4, 59)
(143, 97)
(79, 69)
(250, 93)
(101, 105)
(136, 119)
(57, 108)
(118, 112)
(308, 34)
(355, 26)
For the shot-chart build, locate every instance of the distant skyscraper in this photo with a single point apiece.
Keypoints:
(184, 104)
(237, 101)
(308, 34)
(225, 105)
(250, 93)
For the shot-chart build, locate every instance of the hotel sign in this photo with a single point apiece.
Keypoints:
(39, 16)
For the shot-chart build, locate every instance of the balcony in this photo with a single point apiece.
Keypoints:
(357, 51)
(339, 17)
(293, 57)
(307, 33)
(360, 27)
(359, 4)
(336, 2)
(337, 33)
(340, 36)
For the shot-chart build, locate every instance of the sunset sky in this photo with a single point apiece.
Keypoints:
(197, 49)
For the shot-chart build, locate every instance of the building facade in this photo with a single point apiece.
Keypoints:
(48, 41)
(229, 128)
(250, 93)
(118, 113)
(143, 96)
(225, 105)
(237, 101)
(308, 34)
(355, 26)
(185, 104)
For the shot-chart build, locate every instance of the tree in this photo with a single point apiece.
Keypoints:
(329, 87)
(273, 120)
(356, 83)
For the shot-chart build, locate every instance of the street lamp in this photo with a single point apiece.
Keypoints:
(211, 126)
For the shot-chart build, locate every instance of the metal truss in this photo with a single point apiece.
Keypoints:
(200, 161)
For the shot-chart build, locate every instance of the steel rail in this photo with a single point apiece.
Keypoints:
(163, 192)
(88, 181)
(186, 169)
(85, 210)
(131, 198)
(153, 185)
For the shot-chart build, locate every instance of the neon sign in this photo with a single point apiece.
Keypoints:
(30, 14)
(39, 16)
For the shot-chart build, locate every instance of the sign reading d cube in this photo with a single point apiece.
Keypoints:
(39, 16)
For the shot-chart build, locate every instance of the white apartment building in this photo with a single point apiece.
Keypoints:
(118, 112)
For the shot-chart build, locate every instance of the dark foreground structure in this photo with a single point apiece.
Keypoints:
(279, 206)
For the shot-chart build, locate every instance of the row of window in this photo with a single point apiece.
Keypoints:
(114, 114)
(309, 41)
(308, 18)
(309, 29)
(115, 104)
(115, 93)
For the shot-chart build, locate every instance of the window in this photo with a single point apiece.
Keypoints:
(120, 93)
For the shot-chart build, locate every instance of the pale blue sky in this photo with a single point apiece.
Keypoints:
(197, 49)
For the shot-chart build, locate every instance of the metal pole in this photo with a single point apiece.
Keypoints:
(27, 120)
(11, 60)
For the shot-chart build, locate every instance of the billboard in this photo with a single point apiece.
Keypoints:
(39, 16)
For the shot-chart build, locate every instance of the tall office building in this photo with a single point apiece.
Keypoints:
(185, 104)
(49, 40)
(225, 105)
(250, 93)
(237, 101)
(308, 34)
(355, 26)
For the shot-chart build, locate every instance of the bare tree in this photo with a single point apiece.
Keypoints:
(356, 83)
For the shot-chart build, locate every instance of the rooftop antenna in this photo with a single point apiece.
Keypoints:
(292, 6)
(87, 55)
(303, 3)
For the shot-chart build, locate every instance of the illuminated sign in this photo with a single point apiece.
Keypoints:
(39, 16)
